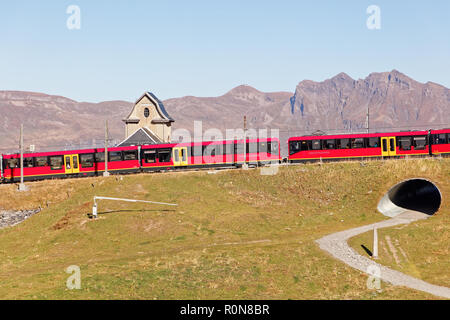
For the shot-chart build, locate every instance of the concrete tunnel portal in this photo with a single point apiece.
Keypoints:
(413, 194)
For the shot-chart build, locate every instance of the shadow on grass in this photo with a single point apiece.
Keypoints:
(367, 250)
(89, 214)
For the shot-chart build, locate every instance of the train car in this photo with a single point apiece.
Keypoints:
(228, 153)
(133, 159)
(73, 163)
(354, 146)
(440, 142)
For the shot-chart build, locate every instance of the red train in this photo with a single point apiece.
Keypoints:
(161, 157)
(230, 153)
(371, 145)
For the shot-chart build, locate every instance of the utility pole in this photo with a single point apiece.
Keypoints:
(22, 186)
(367, 119)
(106, 173)
(245, 166)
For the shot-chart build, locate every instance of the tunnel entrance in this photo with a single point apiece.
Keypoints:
(414, 194)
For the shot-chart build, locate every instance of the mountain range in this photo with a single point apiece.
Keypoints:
(340, 104)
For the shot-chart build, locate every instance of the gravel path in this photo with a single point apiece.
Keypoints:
(336, 244)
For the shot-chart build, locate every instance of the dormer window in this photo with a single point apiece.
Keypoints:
(146, 112)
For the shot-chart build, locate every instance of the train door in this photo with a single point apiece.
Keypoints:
(71, 163)
(180, 156)
(388, 146)
(184, 156)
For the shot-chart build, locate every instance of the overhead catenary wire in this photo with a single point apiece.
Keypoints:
(101, 141)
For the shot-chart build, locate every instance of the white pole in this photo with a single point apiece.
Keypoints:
(375, 243)
(95, 207)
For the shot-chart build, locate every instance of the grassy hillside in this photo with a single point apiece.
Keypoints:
(235, 235)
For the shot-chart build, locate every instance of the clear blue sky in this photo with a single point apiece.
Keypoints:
(205, 48)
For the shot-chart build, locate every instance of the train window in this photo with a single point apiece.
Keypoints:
(273, 147)
(56, 162)
(75, 162)
(87, 160)
(357, 143)
(100, 157)
(294, 147)
(130, 155)
(28, 162)
(373, 142)
(441, 138)
(343, 143)
(263, 147)
(150, 156)
(197, 151)
(211, 150)
(420, 143)
(252, 147)
(218, 149)
(67, 162)
(239, 148)
(316, 145)
(41, 161)
(228, 148)
(305, 145)
(115, 156)
(164, 155)
(13, 163)
(404, 143)
(329, 144)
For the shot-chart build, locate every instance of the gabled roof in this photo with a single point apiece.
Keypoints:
(142, 136)
(159, 106)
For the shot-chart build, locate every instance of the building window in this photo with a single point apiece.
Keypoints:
(146, 112)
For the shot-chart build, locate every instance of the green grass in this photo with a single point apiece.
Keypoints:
(235, 235)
